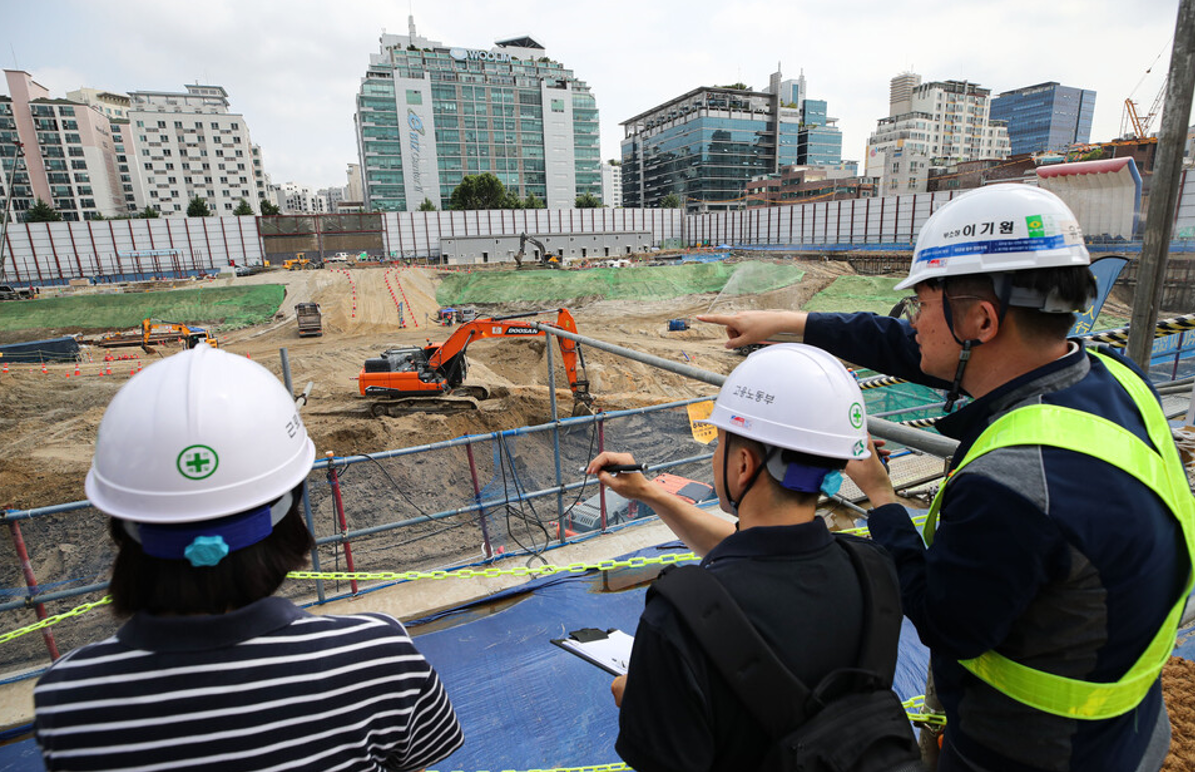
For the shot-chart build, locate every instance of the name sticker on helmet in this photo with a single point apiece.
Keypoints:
(197, 462)
(758, 396)
(741, 422)
(996, 247)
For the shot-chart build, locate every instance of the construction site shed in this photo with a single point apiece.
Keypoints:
(468, 250)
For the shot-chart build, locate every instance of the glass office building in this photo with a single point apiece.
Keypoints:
(427, 115)
(706, 145)
(1045, 117)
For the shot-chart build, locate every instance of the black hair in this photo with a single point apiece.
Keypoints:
(141, 582)
(789, 457)
(1074, 285)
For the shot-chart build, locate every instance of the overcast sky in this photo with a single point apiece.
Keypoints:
(293, 67)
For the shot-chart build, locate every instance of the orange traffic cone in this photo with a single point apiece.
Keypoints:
(5, 369)
(44, 371)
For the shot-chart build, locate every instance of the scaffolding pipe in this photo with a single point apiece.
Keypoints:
(338, 504)
(55, 509)
(284, 358)
(363, 532)
(485, 531)
(555, 437)
(601, 447)
(31, 582)
(1163, 197)
(494, 503)
(933, 444)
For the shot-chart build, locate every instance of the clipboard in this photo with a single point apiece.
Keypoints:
(608, 649)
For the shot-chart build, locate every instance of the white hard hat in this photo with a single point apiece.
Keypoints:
(794, 396)
(198, 436)
(995, 229)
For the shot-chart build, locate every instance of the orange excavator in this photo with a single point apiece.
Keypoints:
(415, 379)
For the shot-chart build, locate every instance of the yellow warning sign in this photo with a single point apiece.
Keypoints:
(699, 411)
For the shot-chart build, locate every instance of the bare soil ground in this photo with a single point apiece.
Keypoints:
(48, 422)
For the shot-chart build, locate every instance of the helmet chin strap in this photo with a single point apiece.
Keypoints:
(964, 356)
(734, 505)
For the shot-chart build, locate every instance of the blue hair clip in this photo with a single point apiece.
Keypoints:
(206, 550)
(831, 482)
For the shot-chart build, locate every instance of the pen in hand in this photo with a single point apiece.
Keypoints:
(616, 468)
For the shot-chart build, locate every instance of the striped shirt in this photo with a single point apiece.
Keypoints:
(266, 687)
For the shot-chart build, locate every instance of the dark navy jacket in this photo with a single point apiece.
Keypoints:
(1053, 558)
(800, 591)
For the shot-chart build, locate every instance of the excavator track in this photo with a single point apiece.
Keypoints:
(460, 400)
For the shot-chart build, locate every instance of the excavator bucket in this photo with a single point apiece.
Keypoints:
(583, 405)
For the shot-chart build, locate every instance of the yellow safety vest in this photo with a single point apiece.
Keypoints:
(1161, 470)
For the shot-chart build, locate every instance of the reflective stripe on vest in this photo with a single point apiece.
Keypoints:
(1162, 472)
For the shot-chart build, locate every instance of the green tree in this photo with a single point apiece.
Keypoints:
(243, 208)
(480, 191)
(149, 213)
(198, 208)
(42, 212)
(534, 202)
(427, 205)
(269, 207)
(740, 86)
(670, 201)
(588, 201)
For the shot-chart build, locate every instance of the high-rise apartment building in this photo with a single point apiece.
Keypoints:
(114, 106)
(354, 191)
(293, 198)
(429, 114)
(931, 125)
(706, 145)
(69, 154)
(612, 184)
(187, 144)
(1046, 117)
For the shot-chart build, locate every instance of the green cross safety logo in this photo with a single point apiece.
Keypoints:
(856, 415)
(197, 462)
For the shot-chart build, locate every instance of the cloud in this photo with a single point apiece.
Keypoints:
(293, 68)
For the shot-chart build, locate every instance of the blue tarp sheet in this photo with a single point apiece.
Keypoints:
(65, 349)
(525, 703)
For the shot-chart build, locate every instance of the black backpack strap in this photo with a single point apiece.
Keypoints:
(775, 697)
(882, 609)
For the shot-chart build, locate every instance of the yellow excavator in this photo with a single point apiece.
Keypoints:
(190, 336)
(545, 260)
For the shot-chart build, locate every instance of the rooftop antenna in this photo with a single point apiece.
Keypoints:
(15, 64)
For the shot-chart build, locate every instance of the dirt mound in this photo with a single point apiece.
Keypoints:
(1178, 687)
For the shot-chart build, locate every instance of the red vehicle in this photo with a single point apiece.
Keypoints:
(431, 378)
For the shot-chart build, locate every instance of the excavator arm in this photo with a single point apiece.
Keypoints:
(448, 359)
(544, 259)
